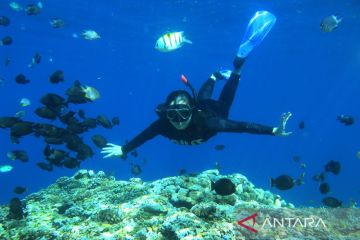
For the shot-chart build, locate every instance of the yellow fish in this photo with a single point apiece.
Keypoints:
(24, 102)
(171, 41)
(91, 93)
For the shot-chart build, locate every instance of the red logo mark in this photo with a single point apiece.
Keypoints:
(241, 223)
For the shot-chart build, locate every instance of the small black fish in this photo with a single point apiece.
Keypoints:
(45, 166)
(4, 21)
(45, 112)
(333, 166)
(21, 79)
(49, 130)
(296, 158)
(47, 150)
(76, 94)
(19, 190)
(76, 128)
(8, 122)
(99, 141)
(6, 41)
(115, 121)
(71, 163)
(301, 125)
(331, 202)
(35, 60)
(33, 9)
(182, 171)
(56, 156)
(81, 114)
(324, 188)
(84, 151)
(223, 187)
(347, 120)
(134, 153)
(20, 129)
(103, 121)
(319, 177)
(283, 182)
(220, 147)
(52, 100)
(135, 169)
(68, 118)
(57, 76)
(73, 142)
(89, 123)
(15, 209)
(18, 155)
(57, 22)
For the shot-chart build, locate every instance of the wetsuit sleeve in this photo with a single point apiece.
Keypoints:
(150, 132)
(225, 125)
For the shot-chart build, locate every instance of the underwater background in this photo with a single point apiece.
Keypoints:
(297, 68)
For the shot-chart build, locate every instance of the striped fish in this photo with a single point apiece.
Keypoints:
(171, 41)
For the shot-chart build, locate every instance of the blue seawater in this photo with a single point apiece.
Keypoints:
(297, 68)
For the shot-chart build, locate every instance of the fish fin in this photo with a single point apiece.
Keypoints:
(212, 185)
(272, 182)
(77, 83)
(185, 40)
(338, 18)
(39, 4)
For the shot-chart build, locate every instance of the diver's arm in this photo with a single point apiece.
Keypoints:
(113, 150)
(226, 125)
(149, 133)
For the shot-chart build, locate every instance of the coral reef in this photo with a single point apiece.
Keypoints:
(96, 206)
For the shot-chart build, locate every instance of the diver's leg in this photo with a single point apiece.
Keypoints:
(228, 93)
(206, 89)
(258, 27)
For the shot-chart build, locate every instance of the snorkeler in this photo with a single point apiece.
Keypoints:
(193, 119)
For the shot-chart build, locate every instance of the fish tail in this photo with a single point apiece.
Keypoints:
(272, 182)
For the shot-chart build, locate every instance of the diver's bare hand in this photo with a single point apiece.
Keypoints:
(280, 130)
(112, 150)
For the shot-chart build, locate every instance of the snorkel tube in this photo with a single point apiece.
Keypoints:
(187, 83)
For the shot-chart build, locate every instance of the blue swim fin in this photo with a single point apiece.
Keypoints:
(258, 27)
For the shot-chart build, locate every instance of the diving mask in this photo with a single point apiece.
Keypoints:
(179, 112)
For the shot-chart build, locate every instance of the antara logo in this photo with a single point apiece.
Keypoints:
(287, 222)
(241, 223)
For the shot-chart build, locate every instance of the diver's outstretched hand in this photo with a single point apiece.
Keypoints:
(280, 130)
(112, 150)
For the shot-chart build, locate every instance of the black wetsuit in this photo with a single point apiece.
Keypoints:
(208, 118)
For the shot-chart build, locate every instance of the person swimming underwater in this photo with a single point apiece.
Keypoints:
(193, 119)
